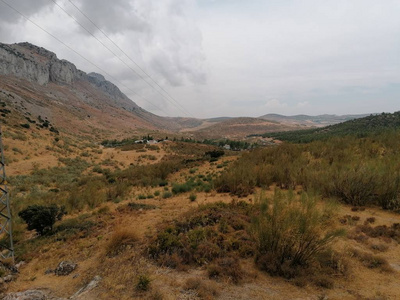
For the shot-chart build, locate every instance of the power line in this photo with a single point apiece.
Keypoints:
(76, 52)
(136, 64)
(105, 46)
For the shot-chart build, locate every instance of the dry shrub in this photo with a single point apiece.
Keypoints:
(383, 231)
(349, 220)
(199, 238)
(203, 289)
(121, 239)
(323, 281)
(156, 295)
(379, 247)
(332, 263)
(371, 261)
(227, 267)
(370, 220)
(173, 261)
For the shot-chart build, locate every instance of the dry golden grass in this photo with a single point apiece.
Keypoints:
(121, 239)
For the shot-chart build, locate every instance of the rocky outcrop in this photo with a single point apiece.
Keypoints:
(83, 293)
(36, 64)
(65, 268)
(106, 86)
(27, 295)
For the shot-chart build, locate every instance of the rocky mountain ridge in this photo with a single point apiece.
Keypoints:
(55, 88)
(42, 66)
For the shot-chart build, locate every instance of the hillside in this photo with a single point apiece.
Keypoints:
(309, 121)
(373, 124)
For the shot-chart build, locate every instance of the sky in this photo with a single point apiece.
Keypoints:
(226, 57)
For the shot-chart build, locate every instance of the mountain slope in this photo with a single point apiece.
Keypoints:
(37, 82)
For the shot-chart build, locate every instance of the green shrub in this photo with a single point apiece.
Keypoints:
(167, 195)
(192, 197)
(143, 283)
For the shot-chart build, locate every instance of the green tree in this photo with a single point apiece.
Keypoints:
(42, 218)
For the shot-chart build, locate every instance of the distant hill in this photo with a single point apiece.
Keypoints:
(361, 127)
(306, 120)
(237, 128)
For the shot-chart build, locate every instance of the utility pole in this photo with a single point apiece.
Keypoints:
(6, 240)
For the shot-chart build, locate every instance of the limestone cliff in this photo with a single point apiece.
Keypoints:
(42, 66)
(37, 75)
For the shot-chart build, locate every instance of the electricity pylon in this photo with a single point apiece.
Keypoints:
(6, 240)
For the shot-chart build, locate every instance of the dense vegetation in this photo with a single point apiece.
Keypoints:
(364, 171)
(374, 124)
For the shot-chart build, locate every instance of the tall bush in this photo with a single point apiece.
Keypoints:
(289, 232)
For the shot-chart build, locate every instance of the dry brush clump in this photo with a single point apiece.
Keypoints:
(121, 239)
(290, 232)
(204, 235)
(203, 289)
(371, 261)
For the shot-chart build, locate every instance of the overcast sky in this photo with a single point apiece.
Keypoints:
(229, 57)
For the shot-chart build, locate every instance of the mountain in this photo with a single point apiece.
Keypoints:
(36, 83)
(317, 121)
(361, 127)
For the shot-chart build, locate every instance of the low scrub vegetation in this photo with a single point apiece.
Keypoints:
(286, 236)
(362, 171)
(213, 231)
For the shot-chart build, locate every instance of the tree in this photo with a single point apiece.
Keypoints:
(42, 218)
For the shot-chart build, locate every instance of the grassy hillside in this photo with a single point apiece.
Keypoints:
(362, 127)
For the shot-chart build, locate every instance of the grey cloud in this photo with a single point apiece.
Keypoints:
(28, 8)
(9, 17)
(114, 16)
(164, 34)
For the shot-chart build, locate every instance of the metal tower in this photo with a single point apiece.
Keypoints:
(6, 240)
